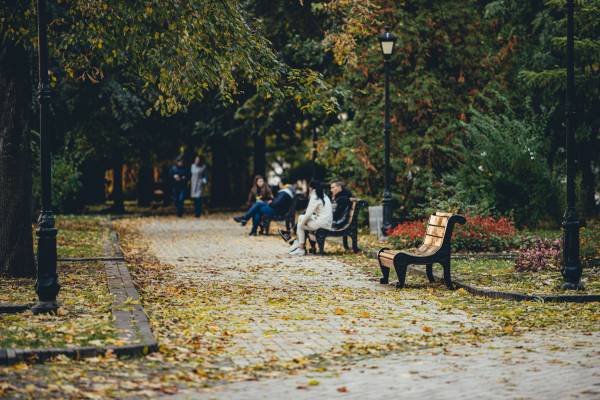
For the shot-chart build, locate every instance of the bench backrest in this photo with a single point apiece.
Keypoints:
(439, 230)
(357, 204)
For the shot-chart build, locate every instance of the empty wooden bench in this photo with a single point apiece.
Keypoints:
(348, 230)
(435, 249)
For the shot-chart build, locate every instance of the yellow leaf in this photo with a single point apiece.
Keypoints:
(509, 329)
(427, 329)
(339, 311)
(364, 314)
(313, 382)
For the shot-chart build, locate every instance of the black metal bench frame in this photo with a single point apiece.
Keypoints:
(349, 230)
(435, 249)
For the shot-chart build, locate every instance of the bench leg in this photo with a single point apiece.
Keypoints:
(447, 276)
(401, 272)
(345, 241)
(355, 242)
(429, 270)
(385, 271)
(313, 247)
(321, 244)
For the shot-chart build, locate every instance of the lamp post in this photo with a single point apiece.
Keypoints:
(46, 286)
(387, 40)
(571, 268)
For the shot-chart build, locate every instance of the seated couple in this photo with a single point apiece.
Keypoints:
(320, 213)
(262, 203)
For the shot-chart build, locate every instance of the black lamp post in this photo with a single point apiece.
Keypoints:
(47, 281)
(387, 40)
(571, 268)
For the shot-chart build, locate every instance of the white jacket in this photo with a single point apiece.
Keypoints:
(319, 214)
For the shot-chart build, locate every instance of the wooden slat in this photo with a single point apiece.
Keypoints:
(443, 214)
(438, 221)
(433, 241)
(437, 231)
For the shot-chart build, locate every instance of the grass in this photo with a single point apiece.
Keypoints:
(84, 317)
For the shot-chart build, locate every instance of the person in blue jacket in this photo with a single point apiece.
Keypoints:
(280, 205)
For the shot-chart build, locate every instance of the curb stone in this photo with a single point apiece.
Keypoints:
(130, 320)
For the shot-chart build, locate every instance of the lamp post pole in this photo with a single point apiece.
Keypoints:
(46, 286)
(387, 194)
(571, 268)
(387, 40)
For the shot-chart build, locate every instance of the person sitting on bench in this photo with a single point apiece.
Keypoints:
(319, 214)
(342, 205)
(278, 206)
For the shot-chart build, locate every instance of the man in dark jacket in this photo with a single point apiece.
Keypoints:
(179, 175)
(280, 205)
(342, 205)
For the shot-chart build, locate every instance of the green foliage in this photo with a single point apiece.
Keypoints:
(505, 169)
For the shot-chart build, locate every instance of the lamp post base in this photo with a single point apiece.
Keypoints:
(45, 307)
(573, 286)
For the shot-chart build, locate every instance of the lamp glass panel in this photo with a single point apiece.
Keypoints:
(387, 47)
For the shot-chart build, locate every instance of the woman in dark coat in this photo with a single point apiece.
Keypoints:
(260, 191)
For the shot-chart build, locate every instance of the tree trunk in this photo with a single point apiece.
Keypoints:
(220, 193)
(93, 184)
(145, 185)
(117, 194)
(260, 155)
(16, 239)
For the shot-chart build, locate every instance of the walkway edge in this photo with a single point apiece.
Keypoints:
(129, 315)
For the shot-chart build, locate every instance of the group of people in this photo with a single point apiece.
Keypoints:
(180, 175)
(322, 211)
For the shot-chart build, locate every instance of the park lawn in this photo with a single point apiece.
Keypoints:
(501, 275)
(84, 317)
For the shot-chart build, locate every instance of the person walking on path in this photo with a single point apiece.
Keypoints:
(179, 175)
(199, 175)
(260, 191)
(319, 214)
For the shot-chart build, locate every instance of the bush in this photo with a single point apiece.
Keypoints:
(590, 243)
(480, 233)
(505, 170)
(66, 184)
(539, 255)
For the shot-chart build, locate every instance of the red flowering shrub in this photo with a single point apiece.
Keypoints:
(540, 255)
(478, 234)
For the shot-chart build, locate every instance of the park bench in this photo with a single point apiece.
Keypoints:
(435, 249)
(289, 218)
(348, 230)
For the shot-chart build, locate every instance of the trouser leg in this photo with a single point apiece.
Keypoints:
(198, 206)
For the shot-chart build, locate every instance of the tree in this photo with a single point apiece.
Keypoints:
(171, 51)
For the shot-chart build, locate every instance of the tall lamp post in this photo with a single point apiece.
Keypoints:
(571, 268)
(46, 286)
(387, 40)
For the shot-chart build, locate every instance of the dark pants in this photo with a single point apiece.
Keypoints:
(256, 212)
(178, 198)
(197, 206)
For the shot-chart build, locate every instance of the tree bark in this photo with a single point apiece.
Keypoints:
(16, 238)
(145, 185)
(117, 194)
(260, 155)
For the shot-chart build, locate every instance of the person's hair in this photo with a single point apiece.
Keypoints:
(318, 186)
(200, 159)
(179, 158)
(338, 183)
(256, 179)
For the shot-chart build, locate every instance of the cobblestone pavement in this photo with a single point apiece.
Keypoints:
(530, 367)
(213, 251)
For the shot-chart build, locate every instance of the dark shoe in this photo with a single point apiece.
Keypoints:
(252, 233)
(285, 235)
(241, 220)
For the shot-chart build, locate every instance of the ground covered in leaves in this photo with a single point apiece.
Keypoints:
(227, 308)
(84, 318)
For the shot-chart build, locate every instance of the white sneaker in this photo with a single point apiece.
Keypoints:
(298, 252)
(294, 246)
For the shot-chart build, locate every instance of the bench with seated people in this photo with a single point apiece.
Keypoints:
(435, 249)
(346, 227)
(289, 218)
(279, 206)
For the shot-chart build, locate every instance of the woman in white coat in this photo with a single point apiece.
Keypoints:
(199, 173)
(319, 214)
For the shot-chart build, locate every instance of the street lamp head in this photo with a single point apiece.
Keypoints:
(387, 40)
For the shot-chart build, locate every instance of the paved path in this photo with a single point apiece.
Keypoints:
(316, 305)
